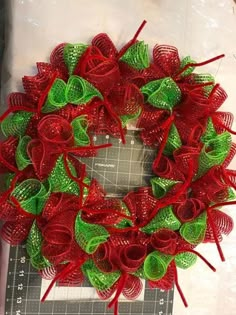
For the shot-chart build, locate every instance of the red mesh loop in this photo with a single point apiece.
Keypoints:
(164, 241)
(189, 210)
(132, 256)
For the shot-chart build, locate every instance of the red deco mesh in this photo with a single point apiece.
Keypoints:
(223, 225)
(7, 155)
(166, 60)
(57, 61)
(189, 209)
(164, 240)
(166, 282)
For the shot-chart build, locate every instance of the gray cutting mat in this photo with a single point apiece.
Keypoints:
(119, 169)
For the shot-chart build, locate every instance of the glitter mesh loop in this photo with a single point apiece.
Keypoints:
(164, 240)
(80, 126)
(161, 186)
(32, 195)
(156, 264)
(185, 260)
(105, 45)
(89, 236)
(72, 55)
(79, 91)
(194, 232)
(166, 58)
(165, 218)
(22, 158)
(16, 124)
(56, 97)
(33, 247)
(137, 56)
(163, 94)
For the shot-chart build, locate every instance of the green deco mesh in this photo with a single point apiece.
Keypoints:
(99, 280)
(80, 126)
(72, 54)
(76, 91)
(137, 56)
(124, 222)
(214, 152)
(33, 247)
(201, 78)
(89, 236)
(164, 93)
(185, 61)
(161, 186)
(156, 264)
(80, 91)
(32, 195)
(16, 124)
(185, 260)
(22, 158)
(56, 97)
(126, 118)
(140, 273)
(165, 218)
(194, 231)
(60, 181)
(173, 141)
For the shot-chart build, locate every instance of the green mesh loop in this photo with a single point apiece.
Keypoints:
(56, 97)
(140, 273)
(194, 232)
(33, 248)
(173, 141)
(22, 158)
(59, 179)
(80, 126)
(124, 222)
(32, 195)
(165, 218)
(137, 56)
(164, 93)
(79, 91)
(201, 78)
(125, 119)
(72, 54)
(231, 194)
(185, 260)
(8, 177)
(210, 132)
(185, 61)
(16, 124)
(161, 186)
(156, 264)
(89, 236)
(214, 152)
(99, 280)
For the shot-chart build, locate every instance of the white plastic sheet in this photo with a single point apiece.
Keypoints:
(200, 28)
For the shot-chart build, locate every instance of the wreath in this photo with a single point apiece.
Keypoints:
(71, 229)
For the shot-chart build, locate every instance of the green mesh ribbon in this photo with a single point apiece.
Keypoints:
(201, 78)
(161, 186)
(77, 91)
(72, 54)
(22, 158)
(16, 124)
(185, 61)
(156, 264)
(163, 93)
(80, 91)
(89, 236)
(126, 118)
(173, 141)
(185, 260)
(140, 273)
(124, 222)
(80, 126)
(165, 218)
(33, 247)
(214, 152)
(60, 181)
(231, 194)
(137, 56)
(99, 280)
(194, 232)
(32, 195)
(210, 132)
(56, 97)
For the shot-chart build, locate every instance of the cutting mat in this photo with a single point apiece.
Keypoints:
(119, 169)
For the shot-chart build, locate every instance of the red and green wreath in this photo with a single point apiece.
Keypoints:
(71, 229)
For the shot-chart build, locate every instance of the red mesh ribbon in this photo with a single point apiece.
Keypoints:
(165, 241)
